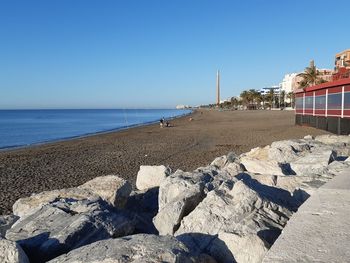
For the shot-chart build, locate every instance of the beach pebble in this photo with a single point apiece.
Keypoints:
(151, 176)
(111, 188)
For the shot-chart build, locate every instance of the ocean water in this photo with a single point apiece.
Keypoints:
(27, 127)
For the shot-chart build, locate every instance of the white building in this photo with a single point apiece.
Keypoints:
(289, 82)
(265, 91)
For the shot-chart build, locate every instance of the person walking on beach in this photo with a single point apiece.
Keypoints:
(161, 123)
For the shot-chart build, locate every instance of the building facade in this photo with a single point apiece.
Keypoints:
(342, 59)
(325, 106)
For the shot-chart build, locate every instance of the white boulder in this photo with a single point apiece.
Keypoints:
(238, 211)
(136, 248)
(11, 252)
(151, 176)
(313, 163)
(28, 205)
(61, 226)
(111, 188)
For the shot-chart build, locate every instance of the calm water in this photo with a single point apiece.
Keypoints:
(26, 127)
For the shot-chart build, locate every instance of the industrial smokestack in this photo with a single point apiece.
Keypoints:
(217, 88)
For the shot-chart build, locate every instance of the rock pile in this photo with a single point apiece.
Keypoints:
(229, 211)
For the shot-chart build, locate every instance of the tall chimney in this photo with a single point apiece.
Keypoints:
(312, 63)
(217, 88)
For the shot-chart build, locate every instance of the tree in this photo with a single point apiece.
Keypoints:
(291, 97)
(311, 76)
(271, 97)
(282, 98)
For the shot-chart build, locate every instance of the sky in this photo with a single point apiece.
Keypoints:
(158, 53)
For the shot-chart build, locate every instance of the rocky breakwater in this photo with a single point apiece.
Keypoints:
(229, 211)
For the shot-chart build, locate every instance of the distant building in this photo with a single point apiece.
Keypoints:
(265, 91)
(181, 107)
(290, 82)
(342, 60)
(342, 65)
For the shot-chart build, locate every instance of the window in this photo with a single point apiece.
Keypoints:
(334, 101)
(309, 102)
(299, 103)
(320, 102)
(346, 100)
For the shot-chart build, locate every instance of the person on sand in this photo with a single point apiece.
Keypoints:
(161, 123)
(167, 124)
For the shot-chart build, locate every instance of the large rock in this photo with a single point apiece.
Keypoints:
(136, 248)
(151, 176)
(11, 252)
(239, 215)
(314, 163)
(143, 206)
(261, 166)
(287, 151)
(179, 185)
(333, 139)
(221, 161)
(241, 247)
(6, 223)
(61, 226)
(169, 217)
(110, 188)
(179, 194)
(28, 205)
(233, 168)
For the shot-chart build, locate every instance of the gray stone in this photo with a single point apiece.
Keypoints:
(110, 188)
(11, 252)
(6, 223)
(333, 139)
(61, 226)
(239, 215)
(179, 194)
(143, 206)
(169, 217)
(314, 163)
(136, 248)
(262, 166)
(233, 168)
(221, 161)
(151, 176)
(309, 137)
(179, 185)
(287, 151)
(28, 205)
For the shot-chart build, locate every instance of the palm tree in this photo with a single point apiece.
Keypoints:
(311, 76)
(271, 97)
(245, 97)
(282, 98)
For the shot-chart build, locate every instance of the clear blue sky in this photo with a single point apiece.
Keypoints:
(158, 53)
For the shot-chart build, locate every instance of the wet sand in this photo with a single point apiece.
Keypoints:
(187, 145)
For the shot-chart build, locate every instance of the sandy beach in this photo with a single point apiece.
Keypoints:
(187, 145)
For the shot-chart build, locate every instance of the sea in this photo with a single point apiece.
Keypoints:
(19, 128)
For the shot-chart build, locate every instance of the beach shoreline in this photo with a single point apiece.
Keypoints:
(38, 144)
(186, 145)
